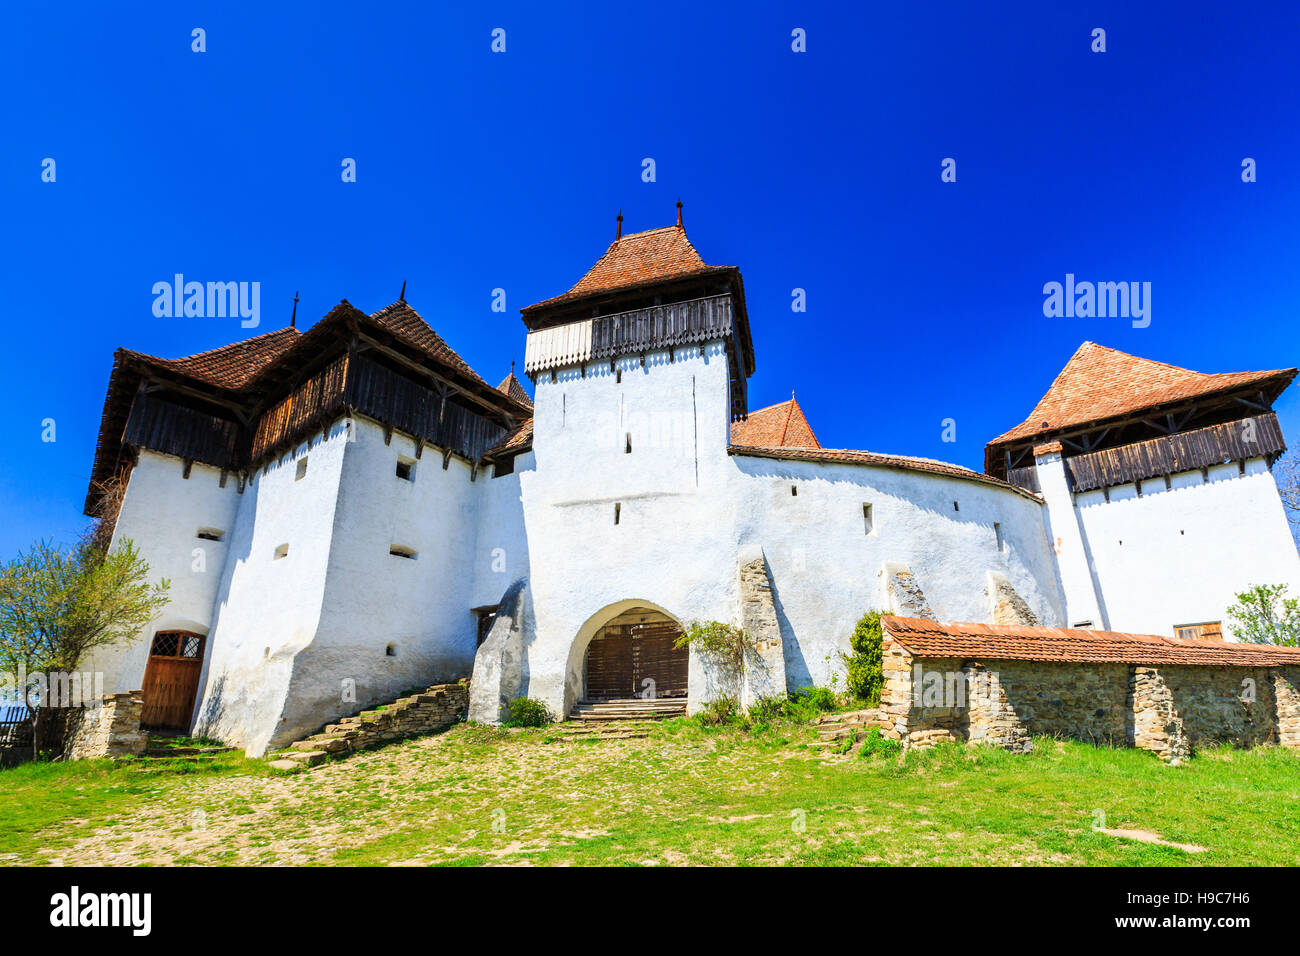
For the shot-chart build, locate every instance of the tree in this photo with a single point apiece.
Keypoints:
(56, 606)
(1286, 472)
(1264, 615)
(865, 673)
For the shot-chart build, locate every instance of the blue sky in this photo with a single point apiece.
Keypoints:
(816, 170)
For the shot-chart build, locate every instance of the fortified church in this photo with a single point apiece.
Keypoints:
(351, 511)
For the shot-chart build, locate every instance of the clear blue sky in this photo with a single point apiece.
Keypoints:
(817, 170)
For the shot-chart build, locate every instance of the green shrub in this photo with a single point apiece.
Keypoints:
(864, 664)
(724, 710)
(526, 712)
(874, 744)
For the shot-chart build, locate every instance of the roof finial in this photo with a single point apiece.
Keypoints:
(402, 296)
(293, 319)
(679, 212)
(619, 235)
(512, 366)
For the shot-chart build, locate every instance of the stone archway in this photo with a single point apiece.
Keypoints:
(624, 651)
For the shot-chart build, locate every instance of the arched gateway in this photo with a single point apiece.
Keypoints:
(632, 664)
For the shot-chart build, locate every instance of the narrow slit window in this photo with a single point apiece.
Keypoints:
(618, 508)
(618, 377)
(794, 491)
(401, 551)
(281, 552)
(210, 534)
(955, 507)
(867, 522)
(627, 444)
(302, 470)
(997, 532)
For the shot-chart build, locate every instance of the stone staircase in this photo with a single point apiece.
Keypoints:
(835, 731)
(632, 709)
(429, 710)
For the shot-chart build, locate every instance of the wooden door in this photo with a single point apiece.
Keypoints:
(655, 658)
(171, 680)
(622, 657)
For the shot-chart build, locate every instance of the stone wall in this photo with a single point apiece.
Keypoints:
(109, 729)
(430, 710)
(1167, 709)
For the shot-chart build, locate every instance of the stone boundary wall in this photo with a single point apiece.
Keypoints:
(430, 710)
(110, 728)
(1166, 709)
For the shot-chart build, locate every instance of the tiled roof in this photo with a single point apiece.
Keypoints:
(924, 638)
(403, 321)
(639, 259)
(229, 366)
(1100, 383)
(777, 426)
(514, 388)
(845, 456)
(520, 439)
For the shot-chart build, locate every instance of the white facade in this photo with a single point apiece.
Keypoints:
(338, 583)
(1173, 555)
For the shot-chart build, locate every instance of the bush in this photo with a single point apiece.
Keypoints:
(724, 710)
(526, 712)
(865, 663)
(874, 744)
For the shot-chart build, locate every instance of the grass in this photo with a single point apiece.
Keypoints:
(685, 794)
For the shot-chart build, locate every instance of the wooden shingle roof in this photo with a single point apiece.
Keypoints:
(1100, 383)
(229, 366)
(777, 426)
(515, 389)
(925, 638)
(638, 260)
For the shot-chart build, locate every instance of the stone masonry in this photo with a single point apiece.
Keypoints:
(765, 661)
(1166, 709)
(111, 728)
(430, 710)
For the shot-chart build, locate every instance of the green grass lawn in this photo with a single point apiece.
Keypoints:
(683, 795)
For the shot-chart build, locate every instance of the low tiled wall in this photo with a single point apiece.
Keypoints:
(1166, 709)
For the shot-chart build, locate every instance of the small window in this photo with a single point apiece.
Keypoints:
(1206, 631)
(390, 650)
(1082, 624)
(302, 469)
(997, 532)
(505, 466)
(955, 507)
(618, 508)
(867, 521)
(401, 551)
(210, 534)
(406, 469)
(627, 444)
(794, 491)
(618, 377)
(281, 552)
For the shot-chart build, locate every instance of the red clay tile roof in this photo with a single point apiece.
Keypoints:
(923, 638)
(520, 439)
(229, 366)
(404, 322)
(514, 388)
(1100, 383)
(639, 259)
(777, 426)
(844, 456)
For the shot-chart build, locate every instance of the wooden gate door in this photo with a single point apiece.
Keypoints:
(171, 680)
(622, 657)
(655, 658)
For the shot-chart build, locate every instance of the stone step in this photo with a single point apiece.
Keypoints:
(309, 758)
(286, 766)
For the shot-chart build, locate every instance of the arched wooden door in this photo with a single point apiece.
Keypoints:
(635, 654)
(171, 680)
